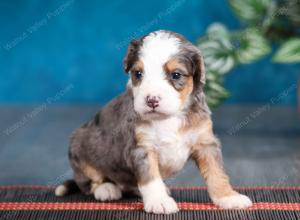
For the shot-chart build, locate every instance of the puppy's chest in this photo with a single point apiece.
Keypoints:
(171, 145)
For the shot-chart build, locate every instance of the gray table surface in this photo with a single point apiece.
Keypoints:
(261, 145)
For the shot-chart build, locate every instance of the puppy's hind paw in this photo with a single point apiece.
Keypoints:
(107, 192)
(237, 201)
(61, 190)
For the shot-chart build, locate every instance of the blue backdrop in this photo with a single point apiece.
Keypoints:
(71, 51)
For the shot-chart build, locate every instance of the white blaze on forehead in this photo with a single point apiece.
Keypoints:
(157, 49)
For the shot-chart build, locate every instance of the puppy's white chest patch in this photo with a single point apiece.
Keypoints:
(169, 143)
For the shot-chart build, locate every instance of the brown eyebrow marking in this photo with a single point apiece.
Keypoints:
(173, 65)
(138, 66)
(187, 88)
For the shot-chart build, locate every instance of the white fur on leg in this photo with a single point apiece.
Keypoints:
(156, 199)
(107, 192)
(237, 201)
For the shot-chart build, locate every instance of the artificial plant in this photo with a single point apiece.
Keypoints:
(267, 25)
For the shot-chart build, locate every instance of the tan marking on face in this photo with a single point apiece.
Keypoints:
(138, 66)
(89, 171)
(174, 65)
(187, 90)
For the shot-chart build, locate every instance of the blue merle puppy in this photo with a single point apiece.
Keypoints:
(149, 132)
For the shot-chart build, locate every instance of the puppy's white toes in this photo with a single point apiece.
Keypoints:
(161, 205)
(107, 192)
(237, 201)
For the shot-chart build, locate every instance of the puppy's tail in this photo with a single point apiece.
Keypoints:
(68, 187)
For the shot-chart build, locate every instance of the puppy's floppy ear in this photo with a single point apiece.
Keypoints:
(199, 78)
(132, 54)
(198, 67)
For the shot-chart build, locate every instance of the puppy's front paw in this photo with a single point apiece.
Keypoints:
(161, 205)
(237, 201)
(107, 191)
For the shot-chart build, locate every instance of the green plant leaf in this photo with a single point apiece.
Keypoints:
(251, 45)
(215, 92)
(217, 31)
(289, 52)
(219, 59)
(218, 54)
(250, 10)
(292, 10)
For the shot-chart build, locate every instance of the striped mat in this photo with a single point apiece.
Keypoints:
(39, 202)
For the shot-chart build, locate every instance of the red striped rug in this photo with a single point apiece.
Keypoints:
(39, 202)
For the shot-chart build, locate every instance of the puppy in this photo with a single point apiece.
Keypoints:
(149, 132)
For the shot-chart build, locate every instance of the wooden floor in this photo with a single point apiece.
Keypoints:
(261, 145)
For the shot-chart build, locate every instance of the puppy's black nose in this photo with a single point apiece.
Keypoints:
(152, 101)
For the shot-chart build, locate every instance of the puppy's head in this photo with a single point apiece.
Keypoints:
(166, 74)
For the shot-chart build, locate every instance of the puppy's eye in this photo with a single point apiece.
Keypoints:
(138, 74)
(176, 75)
